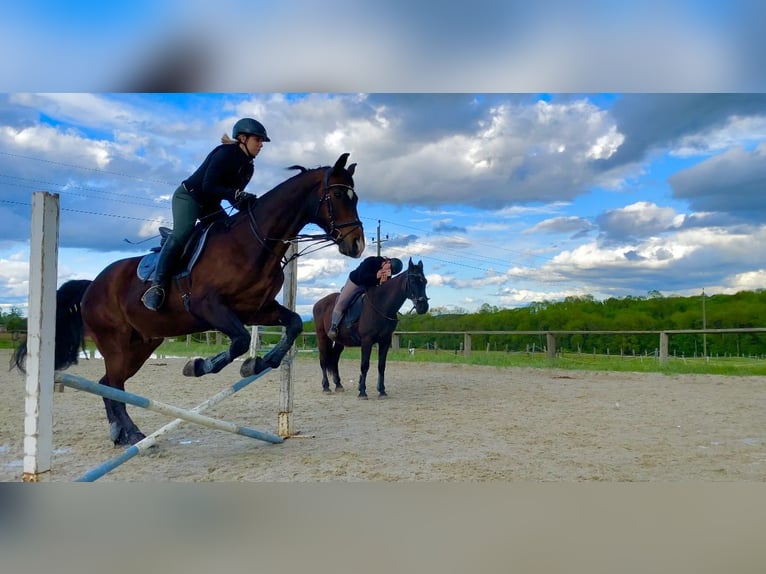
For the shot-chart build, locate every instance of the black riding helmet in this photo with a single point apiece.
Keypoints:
(251, 127)
(396, 265)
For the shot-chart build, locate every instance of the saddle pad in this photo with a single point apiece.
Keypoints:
(148, 263)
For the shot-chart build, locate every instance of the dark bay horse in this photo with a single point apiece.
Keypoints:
(370, 319)
(234, 283)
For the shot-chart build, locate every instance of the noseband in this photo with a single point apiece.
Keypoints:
(335, 229)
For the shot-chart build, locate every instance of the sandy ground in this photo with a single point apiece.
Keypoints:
(439, 423)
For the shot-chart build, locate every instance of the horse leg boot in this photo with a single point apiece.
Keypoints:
(154, 297)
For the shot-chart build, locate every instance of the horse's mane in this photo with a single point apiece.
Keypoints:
(304, 169)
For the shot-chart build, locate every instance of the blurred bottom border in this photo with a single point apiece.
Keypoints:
(385, 527)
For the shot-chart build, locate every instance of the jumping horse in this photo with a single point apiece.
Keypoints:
(371, 318)
(233, 283)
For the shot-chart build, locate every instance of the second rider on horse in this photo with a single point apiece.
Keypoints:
(374, 270)
(223, 175)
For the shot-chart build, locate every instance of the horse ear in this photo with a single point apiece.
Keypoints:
(351, 169)
(341, 163)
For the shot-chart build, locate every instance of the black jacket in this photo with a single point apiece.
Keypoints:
(366, 274)
(226, 169)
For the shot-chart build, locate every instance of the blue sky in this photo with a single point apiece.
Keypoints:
(507, 198)
(523, 151)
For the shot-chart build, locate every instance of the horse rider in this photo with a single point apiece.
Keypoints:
(223, 175)
(373, 271)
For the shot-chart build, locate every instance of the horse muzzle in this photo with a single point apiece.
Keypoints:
(352, 244)
(421, 306)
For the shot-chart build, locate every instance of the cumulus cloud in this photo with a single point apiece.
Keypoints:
(637, 220)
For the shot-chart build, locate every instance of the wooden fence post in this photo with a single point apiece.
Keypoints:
(41, 335)
(286, 386)
(551, 342)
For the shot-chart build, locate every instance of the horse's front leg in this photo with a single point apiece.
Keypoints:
(383, 348)
(223, 319)
(293, 325)
(364, 367)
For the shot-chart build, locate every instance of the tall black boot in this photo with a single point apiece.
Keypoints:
(154, 297)
(336, 317)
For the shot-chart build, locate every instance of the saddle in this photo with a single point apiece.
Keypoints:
(189, 255)
(351, 315)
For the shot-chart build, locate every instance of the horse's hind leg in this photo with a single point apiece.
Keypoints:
(324, 347)
(120, 366)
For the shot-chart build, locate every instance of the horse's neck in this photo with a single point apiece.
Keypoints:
(284, 211)
(392, 294)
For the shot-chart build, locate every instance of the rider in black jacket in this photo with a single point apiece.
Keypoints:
(223, 175)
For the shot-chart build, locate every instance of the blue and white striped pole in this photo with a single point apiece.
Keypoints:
(144, 445)
(81, 384)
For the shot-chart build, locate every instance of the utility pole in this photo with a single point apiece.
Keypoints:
(379, 240)
(704, 326)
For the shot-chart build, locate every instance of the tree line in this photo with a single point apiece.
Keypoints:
(12, 320)
(654, 312)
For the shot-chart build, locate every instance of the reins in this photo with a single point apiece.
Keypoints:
(407, 295)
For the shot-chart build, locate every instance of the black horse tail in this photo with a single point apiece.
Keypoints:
(70, 332)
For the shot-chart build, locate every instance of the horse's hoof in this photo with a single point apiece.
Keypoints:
(135, 437)
(115, 431)
(252, 366)
(246, 369)
(363, 396)
(383, 396)
(122, 440)
(194, 368)
(327, 391)
(339, 388)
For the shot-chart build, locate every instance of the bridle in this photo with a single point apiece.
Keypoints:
(410, 294)
(335, 233)
(333, 236)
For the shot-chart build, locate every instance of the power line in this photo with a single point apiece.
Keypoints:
(105, 195)
(115, 215)
(102, 194)
(93, 169)
(461, 255)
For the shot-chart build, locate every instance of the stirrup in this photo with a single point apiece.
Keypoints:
(153, 297)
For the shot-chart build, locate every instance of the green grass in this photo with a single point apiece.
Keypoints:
(738, 366)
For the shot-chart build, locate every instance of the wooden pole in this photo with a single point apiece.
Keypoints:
(286, 370)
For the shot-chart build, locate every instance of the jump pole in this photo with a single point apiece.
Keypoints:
(41, 333)
(81, 384)
(143, 445)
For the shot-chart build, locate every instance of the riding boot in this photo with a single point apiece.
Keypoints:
(154, 297)
(333, 332)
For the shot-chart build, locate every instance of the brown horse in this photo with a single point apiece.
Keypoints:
(234, 283)
(370, 319)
